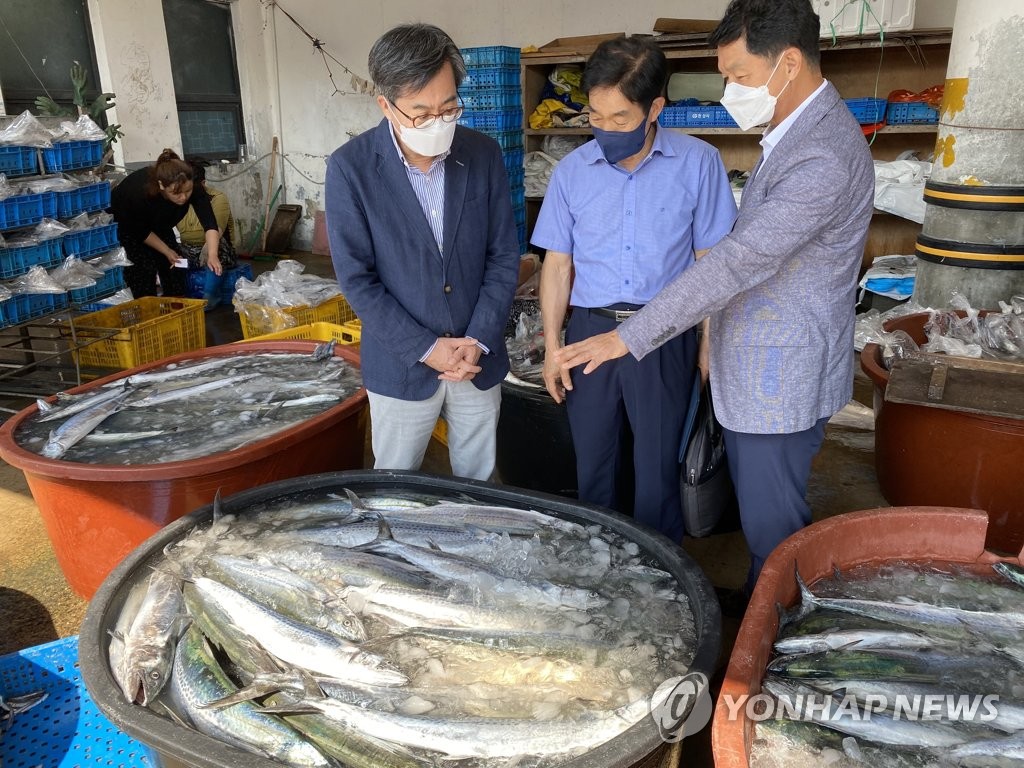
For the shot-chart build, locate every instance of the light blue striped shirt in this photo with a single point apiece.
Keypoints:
(429, 189)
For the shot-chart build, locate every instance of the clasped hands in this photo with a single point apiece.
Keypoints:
(455, 359)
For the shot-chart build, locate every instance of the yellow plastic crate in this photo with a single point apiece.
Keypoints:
(313, 332)
(151, 328)
(441, 432)
(258, 320)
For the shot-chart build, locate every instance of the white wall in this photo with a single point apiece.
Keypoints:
(285, 88)
(135, 64)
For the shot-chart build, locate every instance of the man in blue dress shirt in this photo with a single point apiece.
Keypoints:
(623, 216)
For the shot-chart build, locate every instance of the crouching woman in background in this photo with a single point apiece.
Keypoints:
(193, 238)
(146, 206)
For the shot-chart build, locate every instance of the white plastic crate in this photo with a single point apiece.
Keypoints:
(855, 16)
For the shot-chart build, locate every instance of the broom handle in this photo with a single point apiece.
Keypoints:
(270, 186)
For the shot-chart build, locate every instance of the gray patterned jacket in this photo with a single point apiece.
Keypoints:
(780, 288)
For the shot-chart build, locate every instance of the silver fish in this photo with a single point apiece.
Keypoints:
(79, 404)
(78, 426)
(198, 679)
(299, 644)
(1013, 573)
(150, 640)
(874, 726)
(486, 737)
(858, 639)
(158, 398)
(289, 594)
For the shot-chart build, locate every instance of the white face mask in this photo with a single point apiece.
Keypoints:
(751, 106)
(434, 140)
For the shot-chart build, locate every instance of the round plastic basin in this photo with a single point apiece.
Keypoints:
(639, 745)
(95, 514)
(898, 534)
(934, 456)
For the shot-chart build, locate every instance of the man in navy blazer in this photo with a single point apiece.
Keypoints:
(780, 288)
(424, 246)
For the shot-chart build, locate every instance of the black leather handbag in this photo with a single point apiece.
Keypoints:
(708, 497)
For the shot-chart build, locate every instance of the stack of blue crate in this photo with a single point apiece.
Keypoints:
(493, 100)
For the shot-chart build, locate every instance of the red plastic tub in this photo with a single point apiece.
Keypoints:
(95, 514)
(905, 534)
(928, 456)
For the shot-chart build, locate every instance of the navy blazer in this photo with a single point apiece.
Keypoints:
(389, 268)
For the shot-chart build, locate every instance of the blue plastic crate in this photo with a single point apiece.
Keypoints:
(519, 213)
(66, 730)
(513, 159)
(111, 282)
(491, 56)
(5, 320)
(490, 77)
(87, 243)
(867, 111)
(910, 113)
(507, 140)
(26, 210)
(25, 306)
(710, 116)
(518, 195)
(492, 99)
(85, 199)
(500, 120)
(516, 177)
(18, 161)
(72, 155)
(18, 260)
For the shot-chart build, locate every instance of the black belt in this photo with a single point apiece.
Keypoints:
(618, 315)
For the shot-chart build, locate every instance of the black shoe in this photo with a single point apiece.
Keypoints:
(733, 602)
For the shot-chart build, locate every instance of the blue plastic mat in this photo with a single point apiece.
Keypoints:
(66, 730)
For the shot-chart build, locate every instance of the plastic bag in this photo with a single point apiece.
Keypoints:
(5, 292)
(113, 258)
(27, 131)
(9, 189)
(79, 222)
(100, 219)
(84, 129)
(558, 147)
(526, 350)
(898, 346)
(952, 346)
(48, 229)
(538, 167)
(1003, 334)
(75, 273)
(899, 187)
(868, 329)
(261, 301)
(125, 294)
(891, 276)
(36, 280)
(51, 184)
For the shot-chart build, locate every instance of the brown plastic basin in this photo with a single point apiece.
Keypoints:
(932, 456)
(95, 514)
(904, 534)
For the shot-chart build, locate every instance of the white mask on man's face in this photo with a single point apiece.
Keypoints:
(751, 106)
(434, 140)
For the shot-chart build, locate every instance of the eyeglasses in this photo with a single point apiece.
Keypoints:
(449, 115)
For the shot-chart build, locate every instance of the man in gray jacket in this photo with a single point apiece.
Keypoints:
(780, 287)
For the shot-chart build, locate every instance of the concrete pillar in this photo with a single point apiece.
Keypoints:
(973, 234)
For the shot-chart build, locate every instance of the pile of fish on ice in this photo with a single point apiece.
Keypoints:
(402, 630)
(933, 677)
(188, 410)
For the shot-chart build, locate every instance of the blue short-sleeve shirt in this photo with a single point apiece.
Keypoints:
(630, 233)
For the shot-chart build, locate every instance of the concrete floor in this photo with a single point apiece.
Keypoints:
(37, 606)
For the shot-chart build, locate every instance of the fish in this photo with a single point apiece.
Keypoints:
(857, 639)
(178, 393)
(198, 679)
(297, 643)
(472, 572)
(77, 404)
(878, 727)
(148, 645)
(347, 567)
(482, 737)
(111, 438)
(989, 751)
(78, 426)
(173, 371)
(1013, 573)
(916, 615)
(289, 594)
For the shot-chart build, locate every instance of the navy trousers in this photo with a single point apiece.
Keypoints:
(652, 394)
(770, 474)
